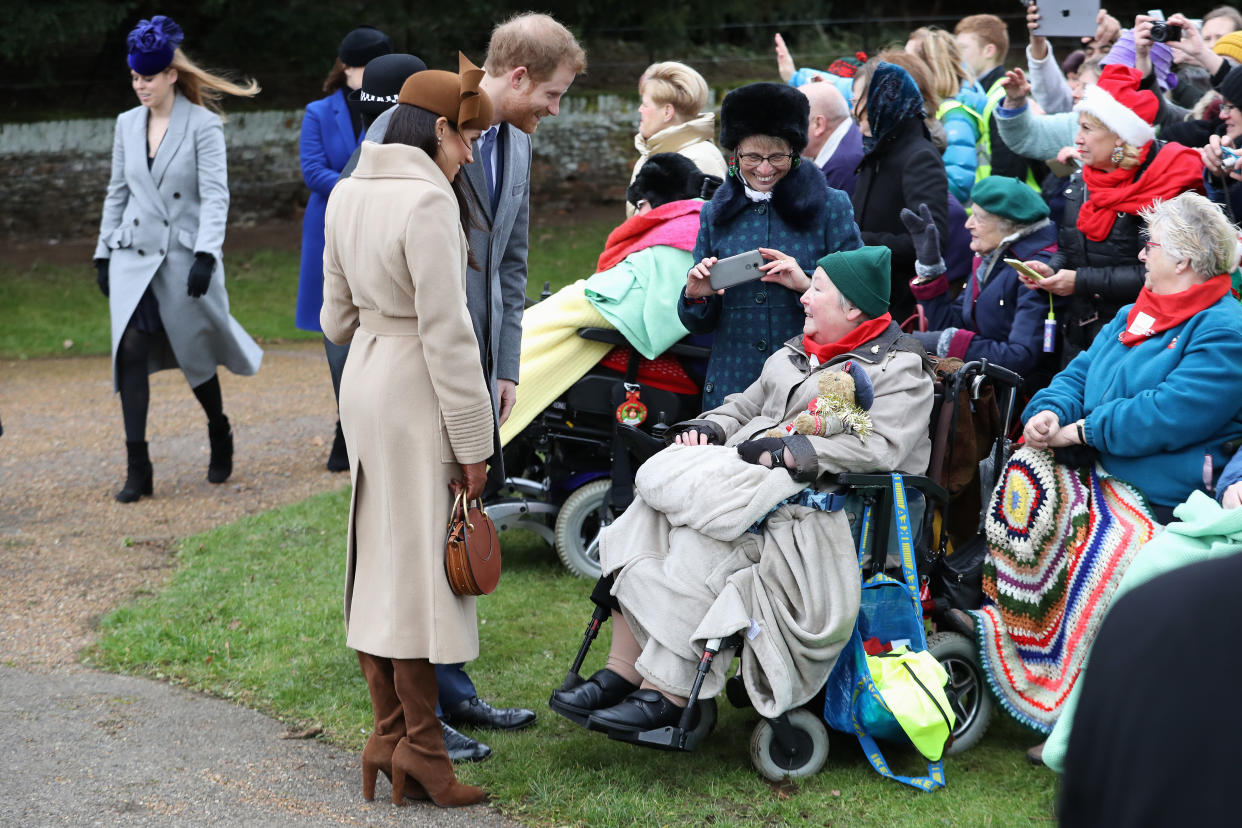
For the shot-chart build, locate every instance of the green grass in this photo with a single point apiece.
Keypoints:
(55, 310)
(253, 613)
(565, 253)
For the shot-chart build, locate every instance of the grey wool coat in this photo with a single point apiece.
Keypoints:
(154, 221)
(413, 401)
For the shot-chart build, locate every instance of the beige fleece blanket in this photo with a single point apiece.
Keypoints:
(686, 570)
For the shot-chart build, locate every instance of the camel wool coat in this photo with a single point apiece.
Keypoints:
(414, 404)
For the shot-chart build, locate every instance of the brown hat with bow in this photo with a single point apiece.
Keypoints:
(455, 95)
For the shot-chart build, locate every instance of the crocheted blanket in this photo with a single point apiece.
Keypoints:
(1059, 541)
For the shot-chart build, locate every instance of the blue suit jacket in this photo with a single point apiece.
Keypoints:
(326, 144)
(841, 170)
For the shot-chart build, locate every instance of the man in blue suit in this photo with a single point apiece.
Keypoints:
(834, 141)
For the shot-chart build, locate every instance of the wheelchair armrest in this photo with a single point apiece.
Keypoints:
(613, 337)
(689, 351)
(608, 335)
(930, 488)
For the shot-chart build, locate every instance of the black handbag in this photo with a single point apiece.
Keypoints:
(959, 576)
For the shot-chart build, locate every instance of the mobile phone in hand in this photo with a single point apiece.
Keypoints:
(736, 270)
(1021, 267)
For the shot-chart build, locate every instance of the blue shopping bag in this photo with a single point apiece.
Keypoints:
(890, 611)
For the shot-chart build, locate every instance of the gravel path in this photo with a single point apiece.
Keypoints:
(81, 747)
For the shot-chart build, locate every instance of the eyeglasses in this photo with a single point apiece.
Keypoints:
(777, 159)
(1149, 244)
(1226, 108)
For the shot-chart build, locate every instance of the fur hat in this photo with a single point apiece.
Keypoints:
(863, 276)
(773, 109)
(1117, 101)
(670, 176)
(151, 44)
(382, 80)
(363, 45)
(455, 95)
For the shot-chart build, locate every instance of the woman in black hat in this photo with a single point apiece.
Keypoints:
(158, 258)
(332, 129)
(772, 202)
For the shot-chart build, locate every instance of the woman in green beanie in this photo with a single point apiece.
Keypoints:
(996, 318)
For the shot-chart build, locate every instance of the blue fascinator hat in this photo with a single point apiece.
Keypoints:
(151, 44)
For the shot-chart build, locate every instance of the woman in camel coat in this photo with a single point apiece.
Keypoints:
(416, 414)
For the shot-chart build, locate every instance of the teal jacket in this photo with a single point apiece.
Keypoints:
(1154, 410)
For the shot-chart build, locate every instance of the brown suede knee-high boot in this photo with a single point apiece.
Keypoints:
(389, 725)
(421, 753)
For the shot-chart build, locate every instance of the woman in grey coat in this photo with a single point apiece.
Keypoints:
(158, 255)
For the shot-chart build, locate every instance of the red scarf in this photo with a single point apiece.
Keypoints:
(675, 224)
(863, 333)
(1173, 171)
(1168, 310)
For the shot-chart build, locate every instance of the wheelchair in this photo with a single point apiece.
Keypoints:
(568, 475)
(795, 743)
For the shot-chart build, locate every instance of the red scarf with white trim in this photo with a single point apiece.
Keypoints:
(1153, 313)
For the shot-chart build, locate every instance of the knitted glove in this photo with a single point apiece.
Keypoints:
(926, 241)
(101, 275)
(752, 450)
(200, 274)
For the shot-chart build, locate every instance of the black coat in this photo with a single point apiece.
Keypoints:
(904, 170)
(1109, 273)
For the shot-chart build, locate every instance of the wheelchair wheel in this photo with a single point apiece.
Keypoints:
(812, 743)
(583, 515)
(967, 688)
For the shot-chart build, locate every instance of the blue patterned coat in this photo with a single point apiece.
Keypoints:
(805, 219)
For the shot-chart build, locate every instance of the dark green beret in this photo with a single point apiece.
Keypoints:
(1009, 198)
(862, 276)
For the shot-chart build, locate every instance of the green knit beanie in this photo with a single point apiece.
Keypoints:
(1010, 199)
(863, 276)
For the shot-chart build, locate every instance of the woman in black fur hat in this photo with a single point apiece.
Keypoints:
(776, 204)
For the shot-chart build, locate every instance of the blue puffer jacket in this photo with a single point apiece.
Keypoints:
(806, 220)
(960, 118)
(996, 318)
(1154, 410)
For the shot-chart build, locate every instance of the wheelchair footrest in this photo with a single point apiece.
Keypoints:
(672, 737)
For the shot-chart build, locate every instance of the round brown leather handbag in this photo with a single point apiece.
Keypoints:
(471, 549)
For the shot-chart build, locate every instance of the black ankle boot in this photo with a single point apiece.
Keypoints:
(221, 436)
(138, 475)
(338, 460)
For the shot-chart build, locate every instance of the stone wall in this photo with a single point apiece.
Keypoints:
(53, 174)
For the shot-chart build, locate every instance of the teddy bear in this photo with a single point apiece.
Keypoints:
(841, 404)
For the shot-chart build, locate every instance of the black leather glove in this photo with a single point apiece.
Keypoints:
(926, 241)
(752, 450)
(101, 275)
(200, 274)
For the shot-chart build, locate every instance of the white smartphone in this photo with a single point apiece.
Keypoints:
(736, 270)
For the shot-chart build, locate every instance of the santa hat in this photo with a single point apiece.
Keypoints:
(1117, 101)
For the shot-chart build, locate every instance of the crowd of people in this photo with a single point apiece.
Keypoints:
(1073, 221)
